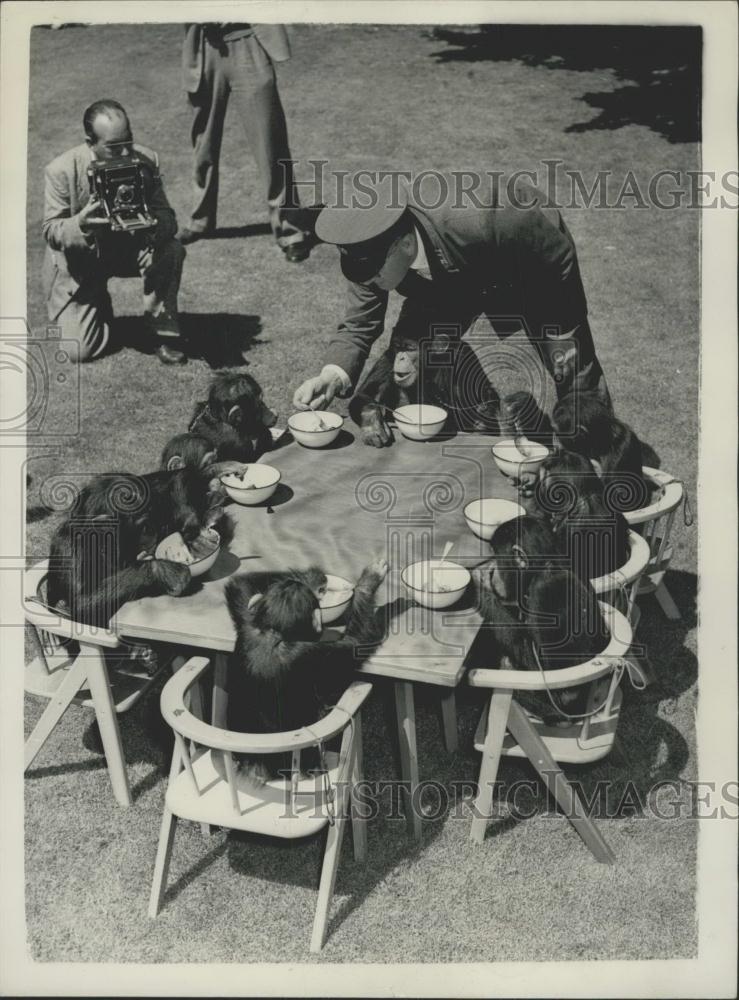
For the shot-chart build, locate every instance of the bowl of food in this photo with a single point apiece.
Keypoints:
(516, 457)
(336, 598)
(419, 421)
(314, 429)
(198, 556)
(483, 516)
(434, 583)
(254, 484)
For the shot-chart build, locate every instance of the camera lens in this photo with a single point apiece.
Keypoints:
(124, 194)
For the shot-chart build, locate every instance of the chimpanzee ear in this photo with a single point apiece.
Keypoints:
(175, 462)
(253, 600)
(317, 621)
(208, 459)
(235, 416)
(522, 560)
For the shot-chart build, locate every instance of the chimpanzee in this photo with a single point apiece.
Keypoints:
(234, 419)
(538, 613)
(582, 423)
(280, 676)
(196, 452)
(435, 368)
(570, 495)
(99, 554)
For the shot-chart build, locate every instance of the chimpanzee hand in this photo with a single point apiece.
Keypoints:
(373, 575)
(173, 577)
(373, 430)
(516, 403)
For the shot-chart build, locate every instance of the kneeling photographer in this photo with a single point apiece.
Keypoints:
(106, 215)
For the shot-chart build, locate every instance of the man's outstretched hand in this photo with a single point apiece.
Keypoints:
(318, 392)
(89, 220)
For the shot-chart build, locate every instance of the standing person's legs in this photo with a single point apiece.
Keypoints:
(254, 87)
(87, 319)
(570, 359)
(209, 111)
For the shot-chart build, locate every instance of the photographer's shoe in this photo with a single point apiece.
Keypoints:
(170, 355)
(187, 235)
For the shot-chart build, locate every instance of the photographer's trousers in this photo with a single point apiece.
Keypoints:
(241, 69)
(87, 314)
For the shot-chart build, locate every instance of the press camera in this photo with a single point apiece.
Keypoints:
(121, 185)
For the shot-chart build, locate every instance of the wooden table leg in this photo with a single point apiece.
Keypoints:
(449, 719)
(558, 786)
(107, 720)
(220, 692)
(406, 714)
(500, 703)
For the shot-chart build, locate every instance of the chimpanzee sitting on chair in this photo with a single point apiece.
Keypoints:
(433, 367)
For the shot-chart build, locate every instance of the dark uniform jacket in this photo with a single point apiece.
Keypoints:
(516, 264)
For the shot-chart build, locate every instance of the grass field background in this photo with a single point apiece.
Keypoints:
(403, 98)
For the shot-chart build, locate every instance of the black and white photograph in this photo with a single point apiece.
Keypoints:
(369, 461)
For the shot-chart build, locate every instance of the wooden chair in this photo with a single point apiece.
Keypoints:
(81, 678)
(621, 587)
(657, 520)
(579, 742)
(206, 787)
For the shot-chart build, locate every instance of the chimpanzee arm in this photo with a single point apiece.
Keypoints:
(528, 419)
(624, 463)
(370, 416)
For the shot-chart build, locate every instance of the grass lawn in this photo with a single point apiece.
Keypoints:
(374, 97)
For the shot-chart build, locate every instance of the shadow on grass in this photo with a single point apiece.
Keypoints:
(660, 67)
(220, 339)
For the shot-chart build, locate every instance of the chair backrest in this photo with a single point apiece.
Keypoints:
(625, 579)
(48, 623)
(186, 726)
(658, 517)
(583, 673)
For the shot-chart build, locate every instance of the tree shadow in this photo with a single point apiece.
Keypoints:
(660, 67)
(220, 339)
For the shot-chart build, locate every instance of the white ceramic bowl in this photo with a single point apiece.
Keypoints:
(483, 516)
(452, 577)
(304, 429)
(336, 600)
(419, 421)
(264, 477)
(512, 462)
(201, 565)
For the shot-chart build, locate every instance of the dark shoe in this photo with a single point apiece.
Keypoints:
(297, 252)
(170, 355)
(187, 235)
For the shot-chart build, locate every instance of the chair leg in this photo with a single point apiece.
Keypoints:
(161, 865)
(359, 824)
(500, 703)
(58, 705)
(102, 700)
(449, 720)
(666, 603)
(196, 707)
(535, 749)
(328, 875)
(406, 716)
(219, 708)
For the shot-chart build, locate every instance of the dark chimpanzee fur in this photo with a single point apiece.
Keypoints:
(537, 612)
(193, 451)
(570, 495)
(280, 676)
(437, 369)
(582, 423)
(234, 419)
(94, 566)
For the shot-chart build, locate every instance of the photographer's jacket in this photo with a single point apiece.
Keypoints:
(508, 262)
(71, 256)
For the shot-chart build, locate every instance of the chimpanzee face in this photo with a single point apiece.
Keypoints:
(405, 365)
(250, 414)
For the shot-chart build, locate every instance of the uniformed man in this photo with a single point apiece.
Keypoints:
(515, 263)
(83, 253)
